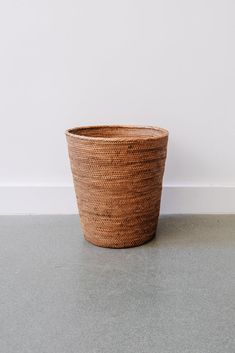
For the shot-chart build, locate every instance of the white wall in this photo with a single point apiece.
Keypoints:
(156, 62)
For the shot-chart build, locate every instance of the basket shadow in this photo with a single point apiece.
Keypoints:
(189, 230)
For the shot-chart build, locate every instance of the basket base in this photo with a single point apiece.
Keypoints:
(119, 245)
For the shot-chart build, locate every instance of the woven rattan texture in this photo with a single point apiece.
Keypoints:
(118, 182)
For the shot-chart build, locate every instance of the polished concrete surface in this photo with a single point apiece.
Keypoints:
(60, 294)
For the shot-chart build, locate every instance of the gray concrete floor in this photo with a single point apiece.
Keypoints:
(60, 294)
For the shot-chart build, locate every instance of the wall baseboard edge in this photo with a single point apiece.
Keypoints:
(60, 199)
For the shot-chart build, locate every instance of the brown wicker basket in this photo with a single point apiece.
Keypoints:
(117, 173)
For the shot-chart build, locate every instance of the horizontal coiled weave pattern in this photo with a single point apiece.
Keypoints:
(117, 173)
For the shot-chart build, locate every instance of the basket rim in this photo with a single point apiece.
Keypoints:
(70, 133)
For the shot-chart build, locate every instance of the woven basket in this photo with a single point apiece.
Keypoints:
(117, 173)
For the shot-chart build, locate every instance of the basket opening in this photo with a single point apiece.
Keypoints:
(118, 132)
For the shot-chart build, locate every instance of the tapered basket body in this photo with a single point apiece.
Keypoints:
(117, 173)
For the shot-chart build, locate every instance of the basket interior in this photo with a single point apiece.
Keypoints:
(116, 132)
